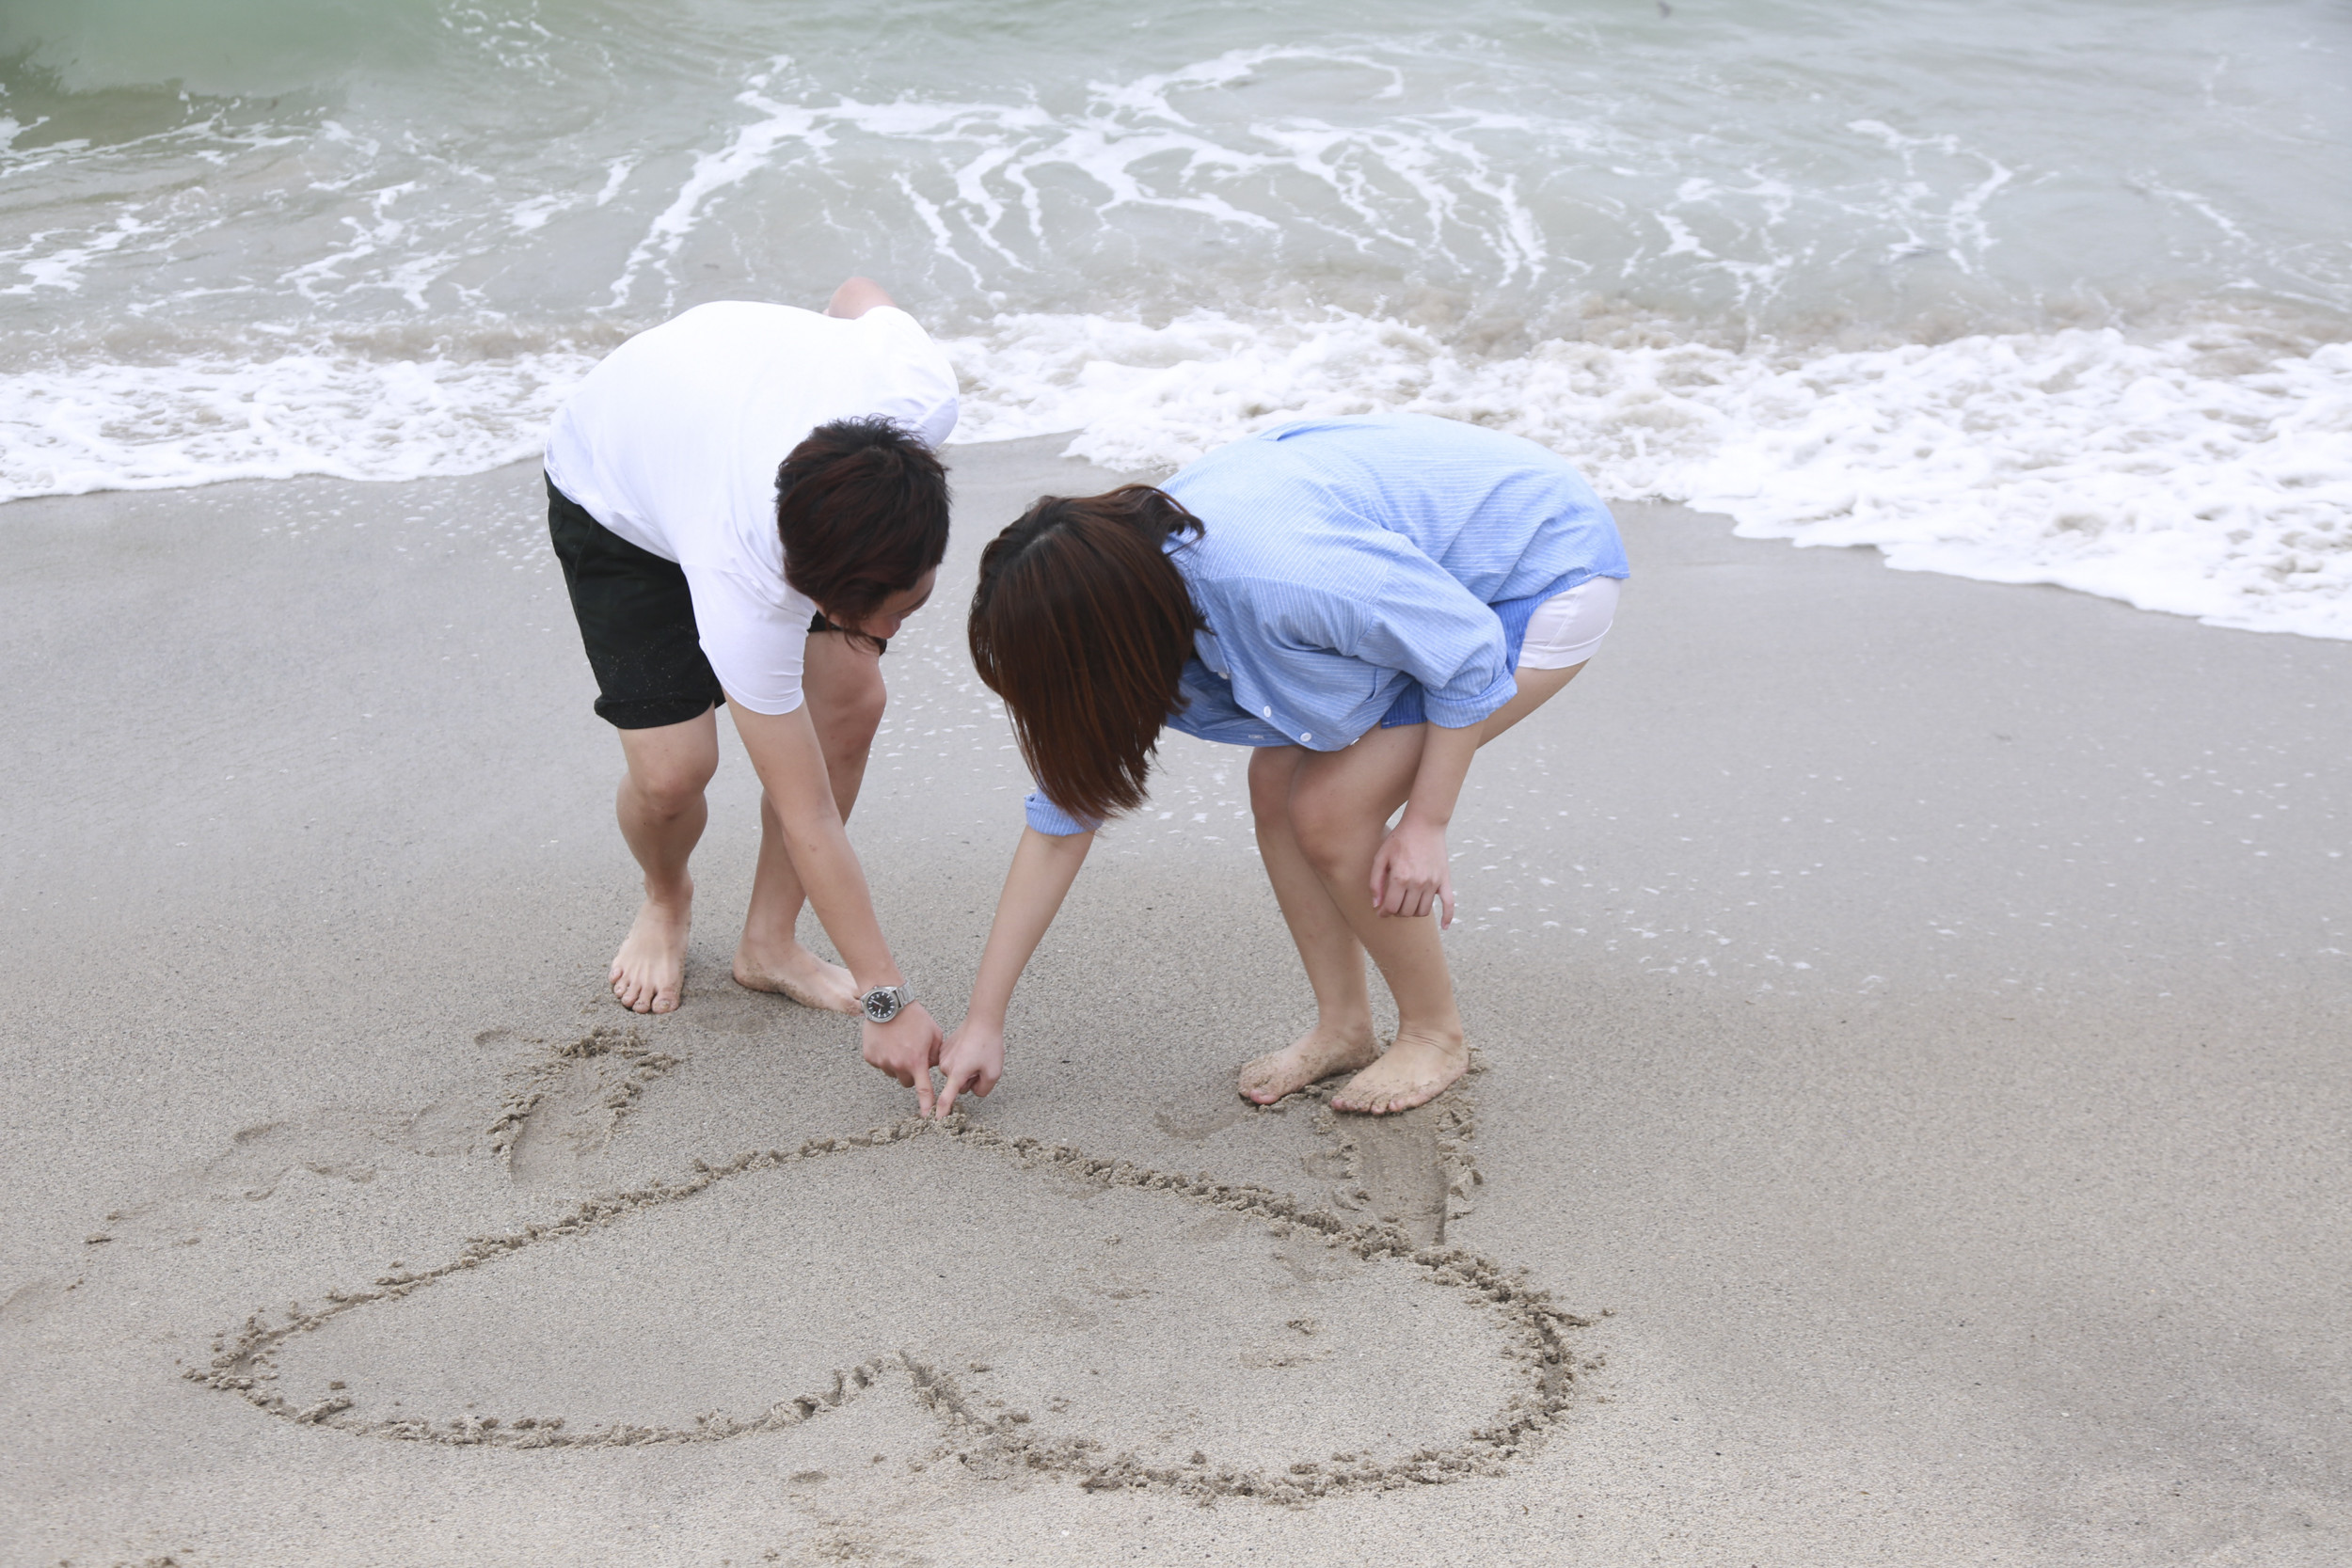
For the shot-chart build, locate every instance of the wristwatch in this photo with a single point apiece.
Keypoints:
(884, 1003)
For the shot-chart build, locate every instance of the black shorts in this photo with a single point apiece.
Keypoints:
(637, 621)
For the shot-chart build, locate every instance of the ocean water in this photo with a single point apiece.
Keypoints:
(2035, 291)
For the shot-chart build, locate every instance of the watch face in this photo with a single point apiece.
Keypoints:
(881, 1004)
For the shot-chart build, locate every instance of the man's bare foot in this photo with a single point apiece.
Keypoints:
(795, 972)
(1309, 1059)
(1412, 1071)
(649, 971)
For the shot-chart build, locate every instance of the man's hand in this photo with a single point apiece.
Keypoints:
(974, 1060)
(905, 1048)
(1410, 874)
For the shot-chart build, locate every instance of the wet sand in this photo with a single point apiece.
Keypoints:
(1911, 1124)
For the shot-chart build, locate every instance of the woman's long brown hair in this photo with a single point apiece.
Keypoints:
(1081, 625)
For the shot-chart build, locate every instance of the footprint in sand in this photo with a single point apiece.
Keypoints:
(565, 1106)
(1043, 1309)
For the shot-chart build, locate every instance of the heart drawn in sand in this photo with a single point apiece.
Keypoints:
(1185, 1318)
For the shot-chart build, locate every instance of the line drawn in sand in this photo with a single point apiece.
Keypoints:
(988, 1434)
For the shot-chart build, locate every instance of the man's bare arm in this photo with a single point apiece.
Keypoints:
(790, 763)
(857, 296)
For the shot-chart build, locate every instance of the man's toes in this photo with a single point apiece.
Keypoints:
(634, 993)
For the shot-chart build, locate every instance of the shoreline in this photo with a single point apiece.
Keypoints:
(1912, 1004)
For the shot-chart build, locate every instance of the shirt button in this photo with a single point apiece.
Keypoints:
(1307, 736)
(1266, 713)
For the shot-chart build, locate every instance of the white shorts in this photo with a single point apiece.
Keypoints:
(1567, 628)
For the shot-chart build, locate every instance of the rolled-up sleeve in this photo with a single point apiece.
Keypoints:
(1050, 819)
(756, 641)
(1427, 625)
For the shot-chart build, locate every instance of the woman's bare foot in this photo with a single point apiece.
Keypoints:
(1412, 1071)
(1309, 1059)
(649, 971)
(795, 972)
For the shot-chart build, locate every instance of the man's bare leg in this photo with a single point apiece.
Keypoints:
(662, 811)
(843, 685)
(1341, 1038)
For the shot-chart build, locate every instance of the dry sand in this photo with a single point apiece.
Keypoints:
(1913, 1011)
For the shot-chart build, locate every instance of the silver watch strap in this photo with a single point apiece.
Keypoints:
(903, 992)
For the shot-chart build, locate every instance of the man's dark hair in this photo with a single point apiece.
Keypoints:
(1081, 625)
(862, 507)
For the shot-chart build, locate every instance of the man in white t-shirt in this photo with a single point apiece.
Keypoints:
(746, 504)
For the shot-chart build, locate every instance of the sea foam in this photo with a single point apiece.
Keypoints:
(204, 419)
(2203, 475)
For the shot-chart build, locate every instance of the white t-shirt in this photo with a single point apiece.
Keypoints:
(672, 443)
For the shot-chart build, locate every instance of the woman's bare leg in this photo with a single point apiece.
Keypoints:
(843, 684)
(1341, 1038)
(662, 811)
(1536, 688)
(1338, 805)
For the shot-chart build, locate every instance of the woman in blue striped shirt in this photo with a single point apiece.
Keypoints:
(1365, 602)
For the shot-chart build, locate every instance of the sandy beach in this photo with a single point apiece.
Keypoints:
(1911, 1124)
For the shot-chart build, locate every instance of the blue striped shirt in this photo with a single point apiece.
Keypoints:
(1352, 570)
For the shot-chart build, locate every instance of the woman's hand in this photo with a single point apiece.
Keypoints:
(974, 1060)
(1042, 869)
(1410, 874)
(905, 1048)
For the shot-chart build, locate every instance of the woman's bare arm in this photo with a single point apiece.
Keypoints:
(1043, 867)
(1410, 874)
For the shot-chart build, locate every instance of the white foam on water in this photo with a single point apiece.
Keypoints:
(2203, 475)
(62, 268)
(206, 419)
